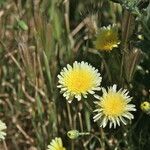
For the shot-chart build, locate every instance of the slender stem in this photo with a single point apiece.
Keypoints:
(80, 120)
(127, 21)
(98, 139)
(104, 62)
(84, 133)
(88, 106)
(69, 115)
(102, 137)
(67, 24)
(121, 68)
(67, 16)
(135, 124)
(70, 122)
(5, 145)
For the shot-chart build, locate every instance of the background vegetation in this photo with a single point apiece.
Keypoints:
(38, 38)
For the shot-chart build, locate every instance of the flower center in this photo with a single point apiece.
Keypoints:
(79, 80)
(109, 41)
(113, 104)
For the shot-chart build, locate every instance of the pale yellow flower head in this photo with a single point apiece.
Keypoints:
(107, 38)
(2, 132)
(56, 144)
(145, 106)
(79, 80)
(113, 107)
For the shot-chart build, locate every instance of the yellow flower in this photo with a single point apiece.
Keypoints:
(145, 106)
(56, 144)
(113, 107)
(107, 38)
(79, 80)
(2, 132)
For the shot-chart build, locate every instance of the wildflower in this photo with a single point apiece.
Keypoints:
(145, 106)
(107, 38)
(56, 144)
(79, 80)
(113, 107)
(74, 134)
(2, 132)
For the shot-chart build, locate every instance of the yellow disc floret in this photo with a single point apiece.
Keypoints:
(113, 107)
(113, 104)
(107, 38)
(79, 80)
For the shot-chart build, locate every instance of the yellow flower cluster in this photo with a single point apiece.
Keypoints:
(81, 79)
